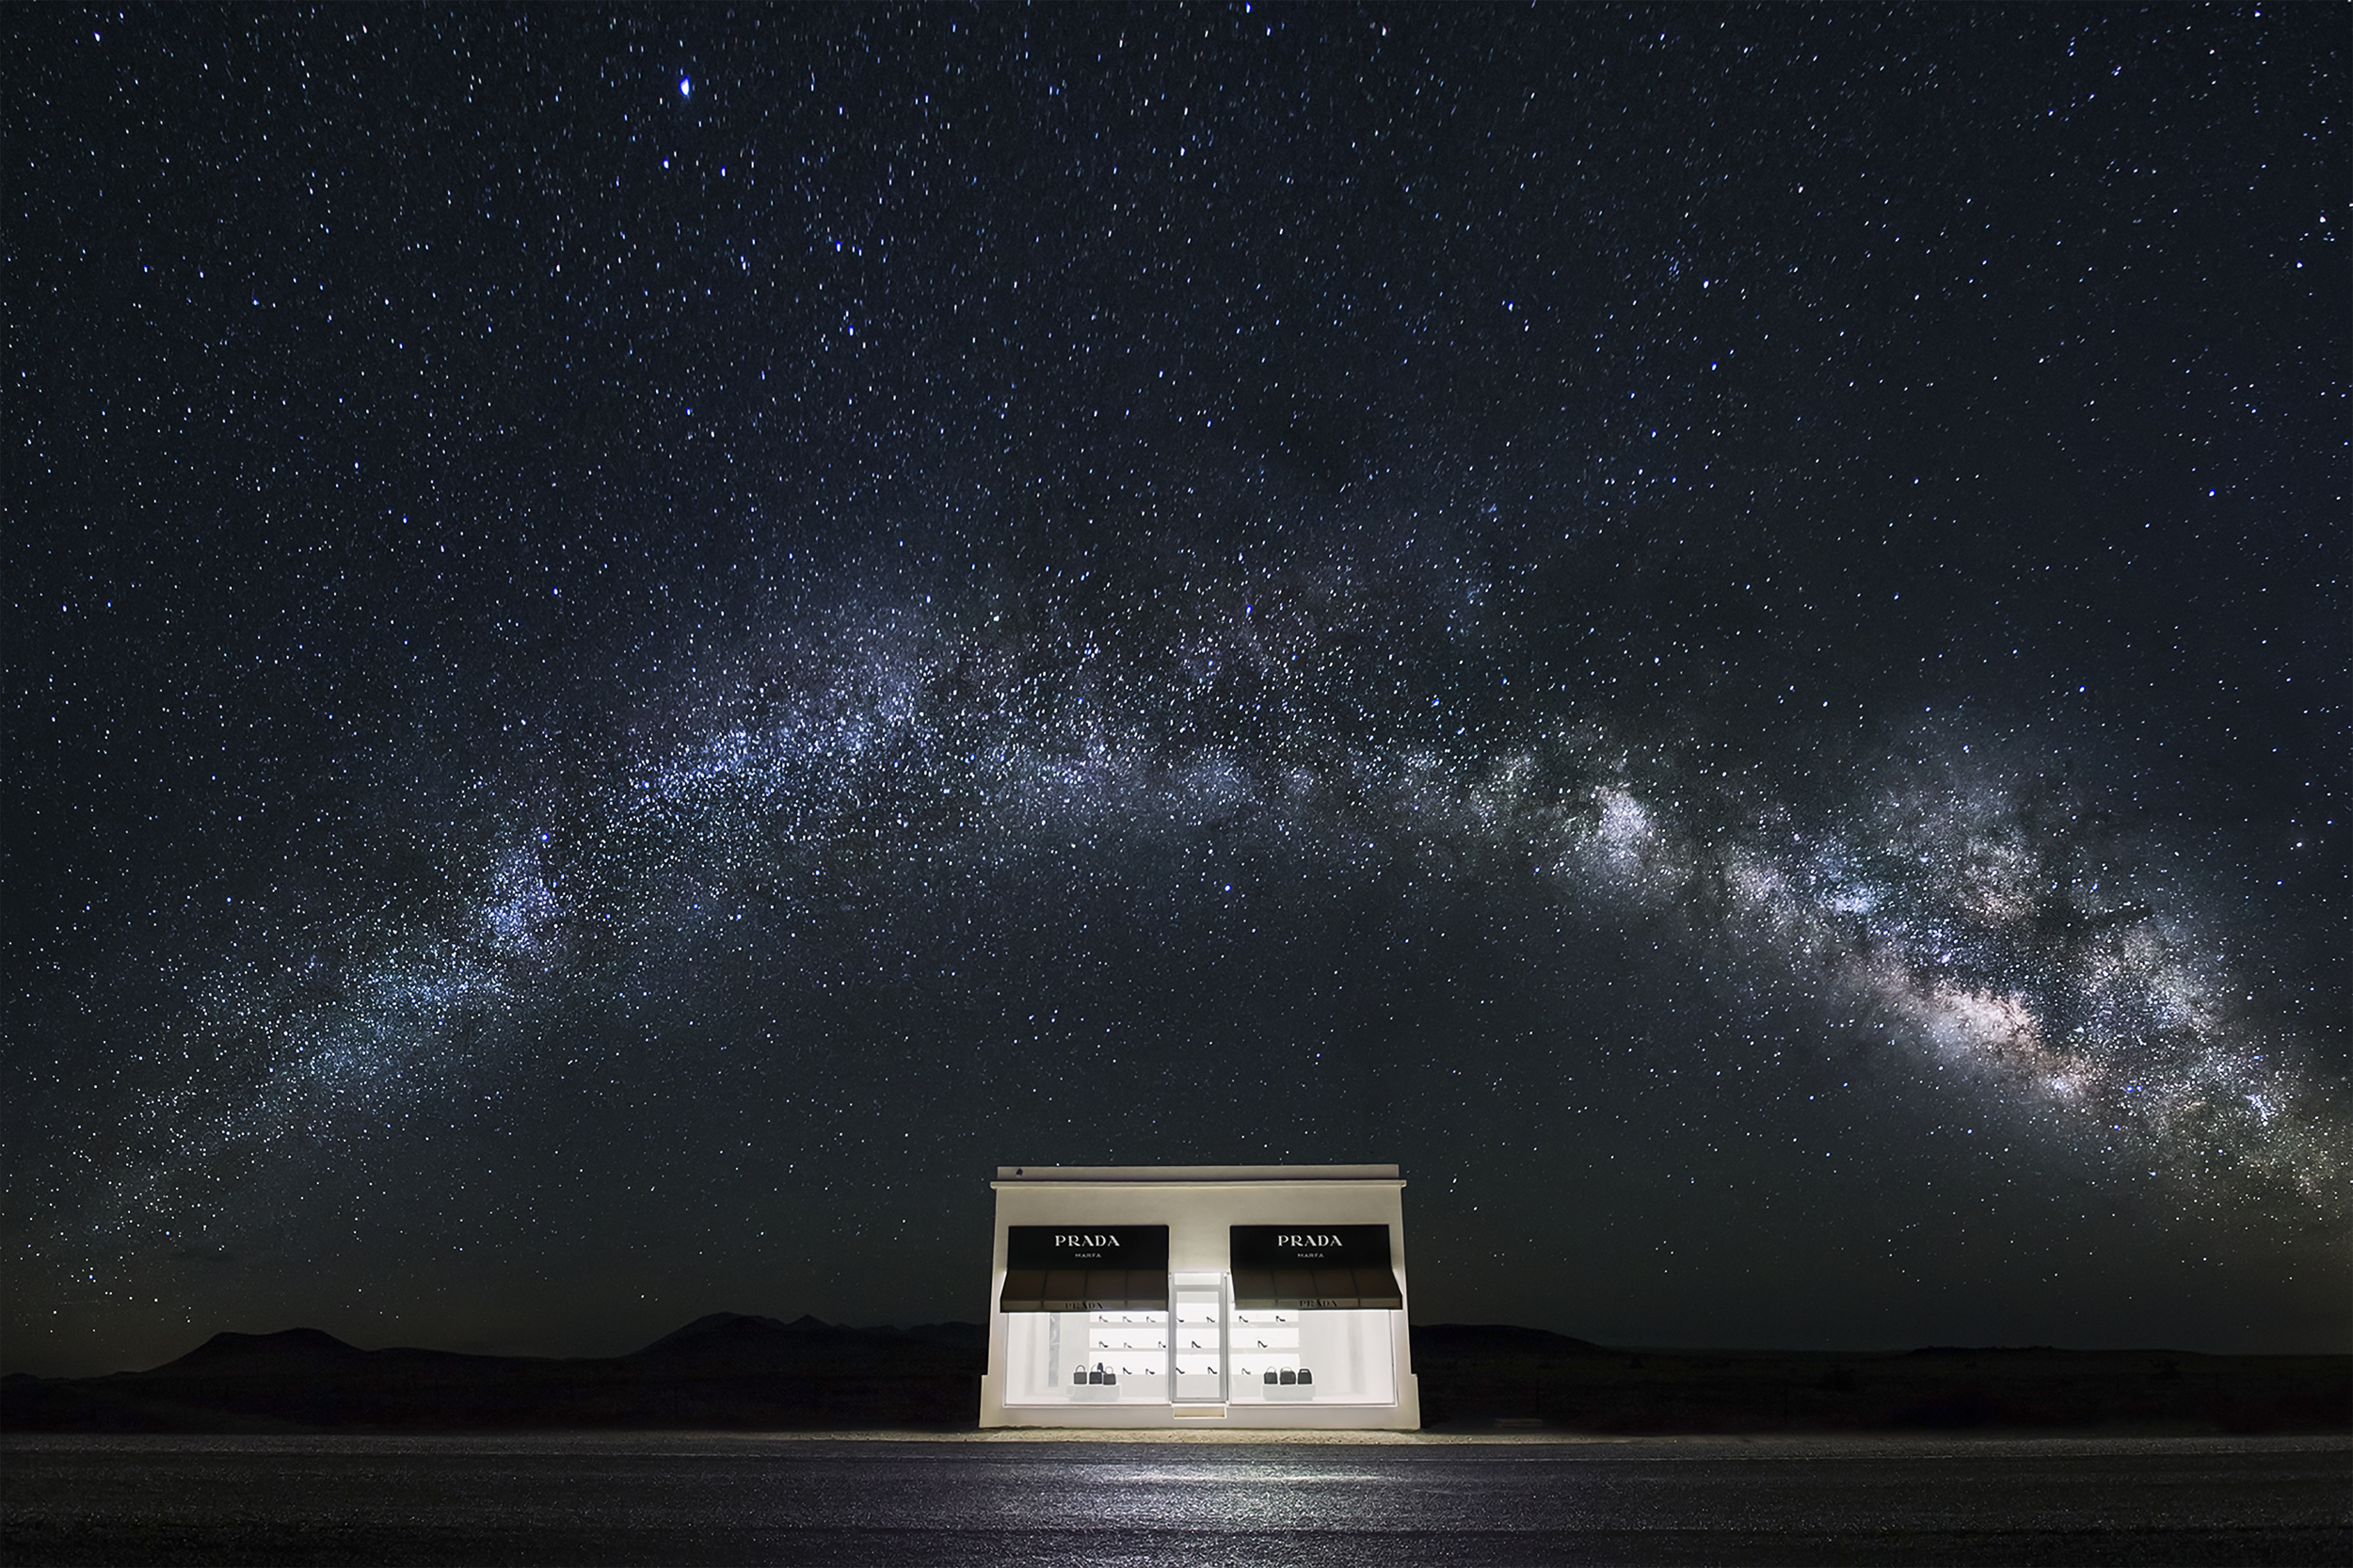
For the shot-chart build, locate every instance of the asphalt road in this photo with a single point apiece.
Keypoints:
(684, 1498)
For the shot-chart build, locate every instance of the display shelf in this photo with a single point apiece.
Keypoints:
(1132, 1347)
(1291, 1355)
(1198, 1338)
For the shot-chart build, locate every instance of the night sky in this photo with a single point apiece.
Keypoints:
(641, 643)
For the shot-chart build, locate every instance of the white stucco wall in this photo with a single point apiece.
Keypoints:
(1199, 1204)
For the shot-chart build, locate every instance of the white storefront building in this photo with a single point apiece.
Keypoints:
(1199, 1296)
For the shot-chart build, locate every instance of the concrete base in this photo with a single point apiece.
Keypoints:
(1404, 1415)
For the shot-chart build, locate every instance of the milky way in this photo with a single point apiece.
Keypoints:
(647, 643)
(2007, 963)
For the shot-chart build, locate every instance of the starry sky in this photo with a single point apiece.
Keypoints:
(641, 641)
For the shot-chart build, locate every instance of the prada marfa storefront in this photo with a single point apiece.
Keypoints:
(1162, 1296)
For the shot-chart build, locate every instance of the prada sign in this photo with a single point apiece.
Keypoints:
(1311, 1246)
(1308, 1265)
(1086, 1247)
(1084, 1267)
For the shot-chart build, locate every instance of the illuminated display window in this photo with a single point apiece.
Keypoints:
(1295, 1356)
(1199, 1352)
(1087, 1314)
(1087, 1358)
(1311, 1313)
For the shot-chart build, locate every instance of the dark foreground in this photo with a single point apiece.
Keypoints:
(677, 1499)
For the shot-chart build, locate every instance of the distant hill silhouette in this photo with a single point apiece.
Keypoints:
(731, 1329)
(228, 1354)
(726, 1371)
(733, 1371)
(1497, 1339)
(1475, 1376)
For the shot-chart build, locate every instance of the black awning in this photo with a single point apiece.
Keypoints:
(1085, 1268)
(1374, 1289)
(1312, 1266)
(1084, 1290)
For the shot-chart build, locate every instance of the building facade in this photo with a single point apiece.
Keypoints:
(1201, 1296)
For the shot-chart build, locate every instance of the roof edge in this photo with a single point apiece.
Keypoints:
(1115, 1175)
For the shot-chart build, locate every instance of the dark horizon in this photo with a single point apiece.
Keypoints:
(811, 1320)
(645, 640)
(728, 1372)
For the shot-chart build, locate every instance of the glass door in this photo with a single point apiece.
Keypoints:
(1197, 1348)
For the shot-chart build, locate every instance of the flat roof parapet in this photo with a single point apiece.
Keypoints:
(1193, 1175)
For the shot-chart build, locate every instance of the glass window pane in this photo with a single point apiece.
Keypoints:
(1291, 1355)
(1086, 1357)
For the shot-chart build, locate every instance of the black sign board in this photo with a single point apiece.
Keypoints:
(1311, 1266)
(1311, 1246)
(1085, 1269)
(1087, 1247)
